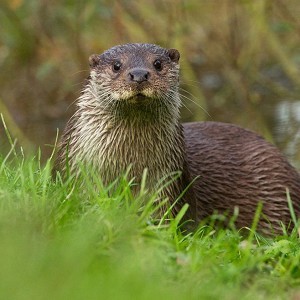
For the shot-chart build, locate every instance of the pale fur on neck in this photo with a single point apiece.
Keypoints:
(112, 143)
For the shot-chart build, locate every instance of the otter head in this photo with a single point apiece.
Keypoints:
(138, 76)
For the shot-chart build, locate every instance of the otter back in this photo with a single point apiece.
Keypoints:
(238, 168)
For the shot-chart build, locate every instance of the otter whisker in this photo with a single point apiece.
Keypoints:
(197, 104)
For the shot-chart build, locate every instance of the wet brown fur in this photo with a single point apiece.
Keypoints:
(121, 122)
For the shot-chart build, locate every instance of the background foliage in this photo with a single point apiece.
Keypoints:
(239, 59)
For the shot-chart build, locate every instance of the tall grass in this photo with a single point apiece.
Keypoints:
(62, 241)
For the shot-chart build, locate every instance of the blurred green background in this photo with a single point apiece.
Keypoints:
(239, 61)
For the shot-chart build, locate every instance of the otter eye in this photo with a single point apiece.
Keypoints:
(117, 66)
(157, 65)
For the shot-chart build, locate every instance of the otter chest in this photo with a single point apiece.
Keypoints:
(115, 150)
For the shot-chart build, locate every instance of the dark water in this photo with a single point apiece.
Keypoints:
(287, 129)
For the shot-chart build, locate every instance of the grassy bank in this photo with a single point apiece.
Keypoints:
(62, 242)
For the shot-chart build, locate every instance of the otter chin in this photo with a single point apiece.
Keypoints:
(128, 115)
(139, 98)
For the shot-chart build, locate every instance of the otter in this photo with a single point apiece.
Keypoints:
(129, 115)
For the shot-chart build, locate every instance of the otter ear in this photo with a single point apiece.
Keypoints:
(94, 60)
(174, 55)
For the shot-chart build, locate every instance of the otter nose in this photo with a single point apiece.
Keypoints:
(138, 75)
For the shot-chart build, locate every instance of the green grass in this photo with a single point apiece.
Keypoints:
(61, 241)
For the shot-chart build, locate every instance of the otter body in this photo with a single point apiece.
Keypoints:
(128, 115)
(238, 168)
